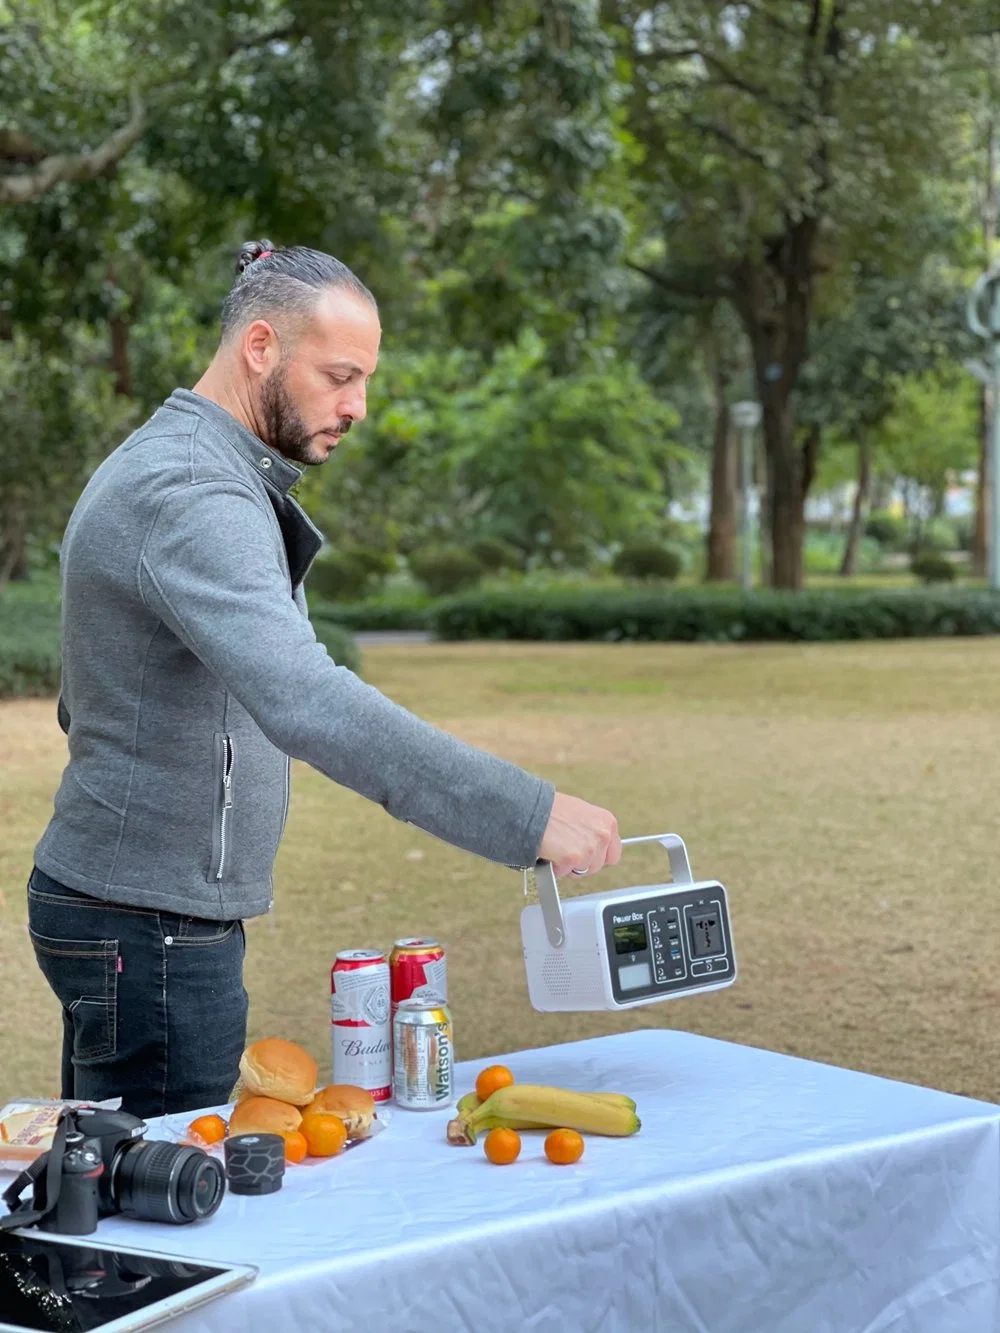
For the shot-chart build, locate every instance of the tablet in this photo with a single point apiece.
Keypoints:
(71, 1284)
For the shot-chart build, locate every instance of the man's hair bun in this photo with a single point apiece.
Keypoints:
(250, 251)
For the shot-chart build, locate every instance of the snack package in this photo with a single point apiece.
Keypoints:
(177, 1129)
(27, 1128)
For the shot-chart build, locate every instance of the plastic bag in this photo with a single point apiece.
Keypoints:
(27, 1127)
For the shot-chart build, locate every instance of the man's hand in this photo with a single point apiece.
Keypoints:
(580, 837)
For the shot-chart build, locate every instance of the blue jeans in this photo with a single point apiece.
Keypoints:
(153, 1005)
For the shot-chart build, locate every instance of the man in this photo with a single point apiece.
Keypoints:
(191, 674)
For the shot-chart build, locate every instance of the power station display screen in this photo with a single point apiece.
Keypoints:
(706, 934)
(634, 975)
(630, 938)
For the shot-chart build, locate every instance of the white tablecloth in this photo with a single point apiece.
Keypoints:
(763, 1193)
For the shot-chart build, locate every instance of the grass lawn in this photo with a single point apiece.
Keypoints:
(846, 794)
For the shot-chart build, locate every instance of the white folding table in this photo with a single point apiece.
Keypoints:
(764, 1194)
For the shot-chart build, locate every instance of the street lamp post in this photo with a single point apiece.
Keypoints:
(984, 320)
(746, 417)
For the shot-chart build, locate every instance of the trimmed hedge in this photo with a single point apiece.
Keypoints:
(648, 560)
(340, 644)
(930, 567)
(718, 616)
(445, 569)
(377, 613)
(31, 657)
(30, 662)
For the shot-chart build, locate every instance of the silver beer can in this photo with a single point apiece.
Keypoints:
(423, 1052)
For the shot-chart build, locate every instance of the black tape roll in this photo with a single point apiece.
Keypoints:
(255, 1163)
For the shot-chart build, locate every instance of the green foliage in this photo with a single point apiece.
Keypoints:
(649, 561)
(339, 642)
(445, 569)
(348, 573)
(57, 420)
(965, 531)
(931, 568)
(513, 181)
(932, 432)
(29, 662)
(494, 554)
(338, 576)
(935, 535)
(30, 639)
(715, 616)
(559, 467)
(889, 530)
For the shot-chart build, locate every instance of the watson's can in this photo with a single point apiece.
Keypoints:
(417, 971)
(423, 1055)
(361, 1036)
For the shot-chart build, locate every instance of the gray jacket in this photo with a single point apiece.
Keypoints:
(191, 673)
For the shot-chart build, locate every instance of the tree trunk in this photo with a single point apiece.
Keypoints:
(858, 510)
(774, 300)
(721, 543)
(791, 471)
(766, 510)
(981, 535)
(988, 222)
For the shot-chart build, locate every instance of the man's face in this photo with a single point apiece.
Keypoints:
(310, 398)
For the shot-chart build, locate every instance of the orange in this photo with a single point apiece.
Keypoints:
(564, 1146)
(497, 1076)
(324, 1133)
(502, 1146)
(207, 1129)
(296, 1146)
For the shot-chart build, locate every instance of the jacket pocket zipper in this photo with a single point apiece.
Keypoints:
(227, 799)
(288, 785)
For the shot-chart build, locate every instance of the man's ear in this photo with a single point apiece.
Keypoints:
(260, 348)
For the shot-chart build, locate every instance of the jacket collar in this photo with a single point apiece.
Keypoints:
(273, 467)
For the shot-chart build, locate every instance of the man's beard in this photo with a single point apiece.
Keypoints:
(285, 431)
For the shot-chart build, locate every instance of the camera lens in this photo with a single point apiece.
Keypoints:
(156, 1181)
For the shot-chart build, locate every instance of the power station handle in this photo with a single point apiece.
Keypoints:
(547, 889)
(680, 865)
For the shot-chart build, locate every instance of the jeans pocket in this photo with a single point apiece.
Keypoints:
(84, 976)
(196, 931)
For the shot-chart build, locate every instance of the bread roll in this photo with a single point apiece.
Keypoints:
(354, 1106)
(278, 1068)
(264, 1115)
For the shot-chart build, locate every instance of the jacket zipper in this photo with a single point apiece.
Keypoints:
(288, 777)
(227, 800)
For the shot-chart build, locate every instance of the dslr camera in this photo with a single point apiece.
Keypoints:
(99, 1164)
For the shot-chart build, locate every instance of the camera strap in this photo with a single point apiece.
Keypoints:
(22, 1214)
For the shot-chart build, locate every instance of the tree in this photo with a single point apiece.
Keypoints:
(109, 254)
(57, 419)
(455, 449)
(930, 435)
(694, 354)
(59, 72)
(986, 193)
(865, 354)
(778, 144)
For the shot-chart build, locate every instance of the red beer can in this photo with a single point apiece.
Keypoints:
(361, 1032)
(418, 971)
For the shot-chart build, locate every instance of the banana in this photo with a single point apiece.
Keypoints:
(543, 1107)
(470, 1102)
